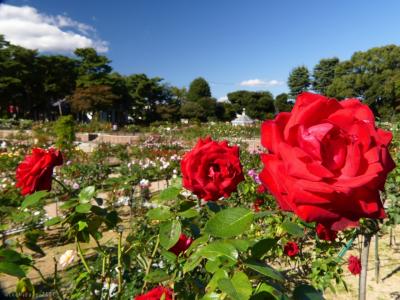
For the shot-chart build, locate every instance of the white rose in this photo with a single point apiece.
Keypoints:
(67, 258)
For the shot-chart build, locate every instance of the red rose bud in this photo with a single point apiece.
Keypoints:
(327, 161)
(261, 189)
(325, 233)
(156, 294)
(182, 245)
(354, 265)
(291, 249)
(35, 172)
(257, 204)
(212, 170)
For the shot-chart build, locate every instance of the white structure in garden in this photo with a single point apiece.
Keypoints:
(242, 119)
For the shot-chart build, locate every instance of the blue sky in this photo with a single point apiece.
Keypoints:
(228, 42)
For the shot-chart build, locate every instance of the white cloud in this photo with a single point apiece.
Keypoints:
(223, 99)
(27, 27)
(261, 83)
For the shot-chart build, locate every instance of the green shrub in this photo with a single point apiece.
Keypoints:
(65, 132)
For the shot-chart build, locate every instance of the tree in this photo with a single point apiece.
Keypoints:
(192, 110)
(257, 104)
(323, 74)
(92, 68)
(282, 104)
(59, 76)
(198, 89)
(146, 95)
(92, 99)
(299, 80)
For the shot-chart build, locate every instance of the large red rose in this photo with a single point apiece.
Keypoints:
(326, 161)
(35, 172)
(182, 245)
(156, 294)
(212, 170)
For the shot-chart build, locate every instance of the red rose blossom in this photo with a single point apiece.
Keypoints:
(291, 249)
(261, 189)
(156, 294)
(327, 161)
(182, 245)
(35, 172)
(354, 265)
(325, 233)
(212, 170)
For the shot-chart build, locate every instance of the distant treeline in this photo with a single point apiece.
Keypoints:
(372, 76)
(39, 86)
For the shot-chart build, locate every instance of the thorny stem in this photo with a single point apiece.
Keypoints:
(55, 280)
(44, 279)
(61, 184)
(150, 261)
(119, 263)
(81, 255)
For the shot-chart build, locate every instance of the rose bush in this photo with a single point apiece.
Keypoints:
(35, 172)
(327, 161)
(212, 170)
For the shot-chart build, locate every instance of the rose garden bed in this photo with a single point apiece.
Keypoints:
(231, 224)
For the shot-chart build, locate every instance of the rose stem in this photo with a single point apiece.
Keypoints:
(377, 260)
(362, 288)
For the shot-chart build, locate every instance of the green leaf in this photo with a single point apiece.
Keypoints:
(192, 262)
(213, 283)
(53, 221)
(82, 225)
(25, 287)
(157, 276)
(10, 255)
(169, 233)
(265, 291)
(219, 248)
(230, 222)
(87, 194)
(212, 265)
(293, 229)
(159, 213)
(262, 247)
(69, 204)
(33, 199)
(11, 269)
(190, 213)
(211, 296)
(83, 208)
(264, 269)
(241, 245)
(170, 193)
(306, 292)
(238, 288)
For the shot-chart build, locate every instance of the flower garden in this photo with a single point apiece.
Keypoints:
(196, 212)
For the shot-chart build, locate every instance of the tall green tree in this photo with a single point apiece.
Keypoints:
(92, 68)
(323, 74)
(299, 80)
(199, 88)
(282, 104)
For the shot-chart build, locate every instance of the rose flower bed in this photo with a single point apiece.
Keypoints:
(237, 225)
